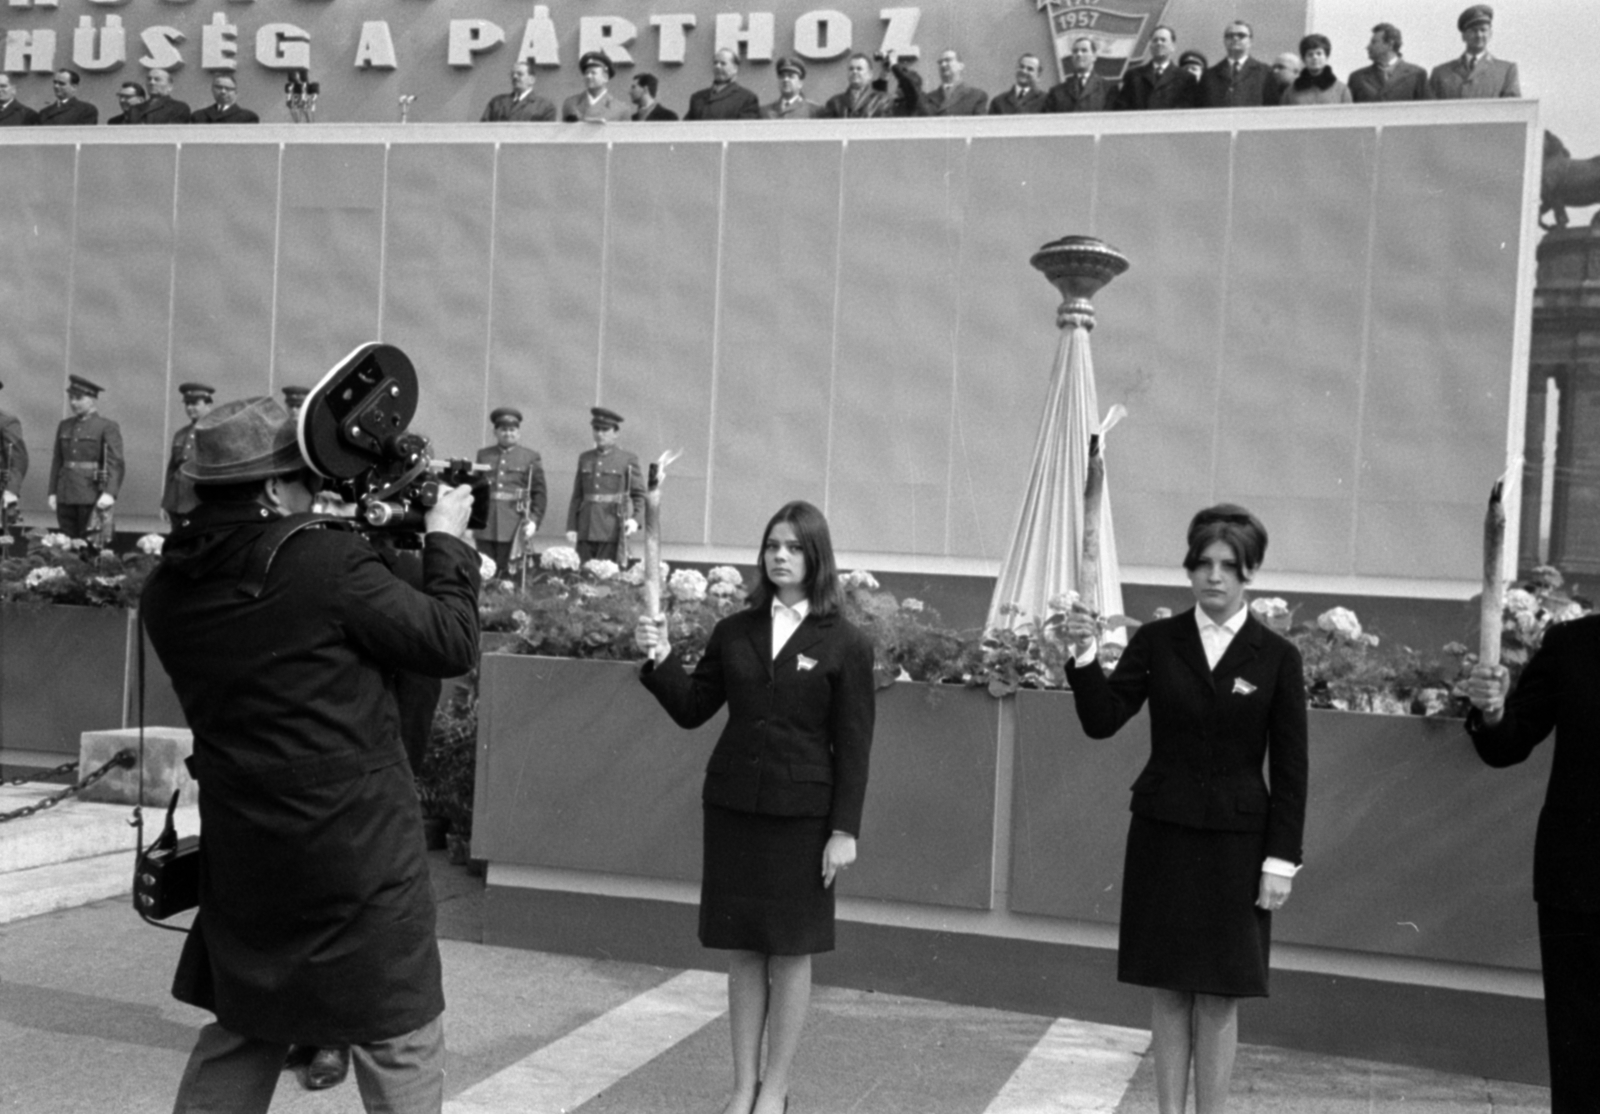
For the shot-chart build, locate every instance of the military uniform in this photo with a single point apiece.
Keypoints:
(87, 462)
(13, 453)
(608, 490)
(516, 475)
(178, 496)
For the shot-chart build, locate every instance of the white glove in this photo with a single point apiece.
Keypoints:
(9, 499)
(630, 527)
(572, 537)
(104, 502)
(529, 529)
(52, 502)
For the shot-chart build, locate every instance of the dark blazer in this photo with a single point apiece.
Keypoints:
(530, 109)
(1558, 691)
(964, 100)
(1097, 95)
(872, 102)
(18, 115)
(798, 737)
(1210, 730)
(724, 102)
(1405, 82)
(1142, 88)
(1009, 104)
(658, 113)
(211, 114)
(165, 110)
(1254, 85)
(77, 112)
(1489, 78)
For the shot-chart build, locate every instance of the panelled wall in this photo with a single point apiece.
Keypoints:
(1325, 317)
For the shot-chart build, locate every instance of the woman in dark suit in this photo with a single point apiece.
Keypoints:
(1213, 844)
(783, 790)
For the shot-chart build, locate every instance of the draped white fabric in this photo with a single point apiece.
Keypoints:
(1047, 547)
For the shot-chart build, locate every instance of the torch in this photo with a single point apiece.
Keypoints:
(1093, 494)
(1489, 610)
(652, 534)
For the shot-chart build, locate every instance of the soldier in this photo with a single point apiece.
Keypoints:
(86, 467)
(293, 399)
(13, 467)
(517, 487)
(178, 496)
(607, 494)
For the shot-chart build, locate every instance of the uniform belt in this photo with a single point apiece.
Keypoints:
(508, 496)
(82, 465)
(620, 497)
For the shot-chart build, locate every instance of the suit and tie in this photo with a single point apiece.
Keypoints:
(956, 100)
(1231, 84)
(1400, 82)
(1149, 87)
(1202, 799)
(1081, 93)
(1017, 102)
(731, 101)
(164, 110)
(15, 114)
(69, 112)
(1466, 78)
(220, 114)
(1557, 691)
(529, 108)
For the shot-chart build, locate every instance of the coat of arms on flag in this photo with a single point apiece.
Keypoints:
(1121, 30)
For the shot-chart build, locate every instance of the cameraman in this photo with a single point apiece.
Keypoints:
(908, 98)
(282, 632)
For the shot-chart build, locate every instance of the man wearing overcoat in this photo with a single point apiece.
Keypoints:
(1083, 90)
(726, 99)
(67, 109)
(162, 108)
(791, 103)
(1238, 80)
(953, 96)
(597, 103)
(283, 633)
(178, 496)
(1160, 82)
(13, 113)
(86, 467)
(517, 490)
(1024, 96)
(1389, 77)
(607, 494)
(522, 104)
(13, 460)
(1477, 73)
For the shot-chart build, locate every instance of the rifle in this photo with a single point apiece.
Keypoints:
(103, 521)
(521, 550)
(10, 514)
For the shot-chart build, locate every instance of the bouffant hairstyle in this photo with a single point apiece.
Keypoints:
(1230, 523)
(822, 574)
(1311, 42)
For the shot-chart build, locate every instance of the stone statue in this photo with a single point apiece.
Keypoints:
(1566, 181)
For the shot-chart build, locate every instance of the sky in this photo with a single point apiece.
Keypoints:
(1551, 41)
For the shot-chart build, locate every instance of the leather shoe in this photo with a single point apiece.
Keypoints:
(327, 1068)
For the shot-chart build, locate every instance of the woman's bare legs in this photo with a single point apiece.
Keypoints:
(790, 998)
(1172, 1041)
(747, 1019)
(1216, 1040)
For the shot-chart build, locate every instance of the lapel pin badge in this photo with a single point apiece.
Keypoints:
(1242, 686)
(803, 663)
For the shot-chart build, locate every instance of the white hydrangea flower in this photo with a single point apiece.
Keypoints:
(1340, 620)
(859, 578)
(151, 544)
(601, 569)
(634, 573)
(726, 574)
(562, 557)
(54, 540)
(44, 576)
(910, 604)
(722, 590)
(1520, 601)
(1270, 607)
(109, 581)
(687, 586)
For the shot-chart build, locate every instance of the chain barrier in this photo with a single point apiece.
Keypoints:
(123, 759)
(64, 768)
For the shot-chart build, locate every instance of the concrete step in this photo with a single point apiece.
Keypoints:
(49, 889)
(73, 829)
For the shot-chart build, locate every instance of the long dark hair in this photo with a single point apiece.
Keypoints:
(816, 543)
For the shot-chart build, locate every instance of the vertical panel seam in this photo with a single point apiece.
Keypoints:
(383, 241)
(1364, 360)
(833, 340)
(488, 300)
(1222, 316)
(716, 342)
(277, 252)
(605, 279)
(72, 265)
(172, 289)
(955, 351)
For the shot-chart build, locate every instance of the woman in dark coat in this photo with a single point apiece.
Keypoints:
(1212, 847)
(783, 790)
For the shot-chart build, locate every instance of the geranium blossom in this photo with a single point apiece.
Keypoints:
(44, 575)
(151, 544)
(687, 586)
(562, 557)
(601, 569)
(1341, 621)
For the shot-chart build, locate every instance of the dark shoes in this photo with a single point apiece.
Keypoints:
(327, 1068)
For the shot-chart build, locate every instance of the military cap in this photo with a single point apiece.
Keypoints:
(601, 418)
(1478, 13)
(505, 415)
(1192, 56)
(295, 394)
(596, 58)
(250, 439)
(78, 385)
(787, 64)
(193, 392)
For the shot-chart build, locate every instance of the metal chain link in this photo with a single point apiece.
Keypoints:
(64, 768)
(122, 759)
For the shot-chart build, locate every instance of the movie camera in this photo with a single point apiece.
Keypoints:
(354, 432)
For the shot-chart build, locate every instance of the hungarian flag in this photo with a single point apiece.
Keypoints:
(1121, 31)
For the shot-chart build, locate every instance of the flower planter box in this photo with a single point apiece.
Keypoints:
(66, 670)
(580, 769)
(1413, 847)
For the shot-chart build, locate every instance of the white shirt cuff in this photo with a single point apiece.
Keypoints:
(1281, 867)
(1089, 656)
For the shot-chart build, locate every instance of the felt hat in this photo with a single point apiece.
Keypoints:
(251, 439)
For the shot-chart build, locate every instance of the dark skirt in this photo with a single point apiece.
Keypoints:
(761, 883)
(1189, 919)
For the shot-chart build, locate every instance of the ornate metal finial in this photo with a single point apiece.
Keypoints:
(1078, 266)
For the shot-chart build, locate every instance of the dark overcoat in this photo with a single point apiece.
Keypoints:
(724, 102)
(1143, 88)
(799, 732)
(216, 114)
(1221, 87)
(1010, 103)
(1403, 82)
(1210, 730)
(532, 109)
(13, 451)
(316, 918)
(74, 112)
(1097, 94)
(18, 115)
(165, 110)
